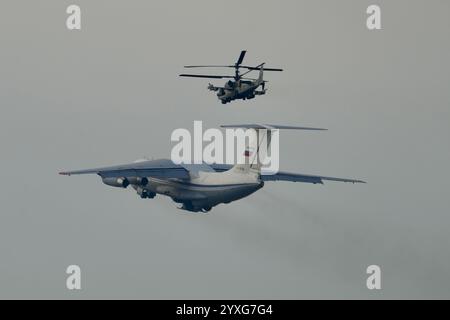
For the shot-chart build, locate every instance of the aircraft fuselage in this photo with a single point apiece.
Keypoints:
(243, 91)
(201, 196)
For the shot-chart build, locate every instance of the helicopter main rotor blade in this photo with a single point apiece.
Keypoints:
(253, 79)
(210, 66)
(258, 68)
(204, 76)
(241, 57)
(246, 72)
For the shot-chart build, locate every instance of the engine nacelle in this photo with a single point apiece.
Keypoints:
(116, 182)
(139, 181)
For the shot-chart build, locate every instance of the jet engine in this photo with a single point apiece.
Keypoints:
(116, 182)
(139, 181)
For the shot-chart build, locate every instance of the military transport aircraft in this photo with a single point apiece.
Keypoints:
(242, 87)
(199, 187)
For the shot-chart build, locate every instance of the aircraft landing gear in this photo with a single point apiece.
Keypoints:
(145, 194)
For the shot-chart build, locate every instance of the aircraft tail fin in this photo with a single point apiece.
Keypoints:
(261, 72)
(250, 164)
(258, 139)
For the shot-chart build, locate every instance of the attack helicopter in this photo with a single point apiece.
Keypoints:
(238, 87)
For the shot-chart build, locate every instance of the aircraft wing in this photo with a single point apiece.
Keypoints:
(298, 177)
(288, 176)
(152, 168)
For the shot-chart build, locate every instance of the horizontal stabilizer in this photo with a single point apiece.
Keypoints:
(268, 127)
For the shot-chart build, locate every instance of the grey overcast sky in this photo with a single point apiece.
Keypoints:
(110, 94)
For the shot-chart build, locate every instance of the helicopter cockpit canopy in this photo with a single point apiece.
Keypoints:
(229, 84)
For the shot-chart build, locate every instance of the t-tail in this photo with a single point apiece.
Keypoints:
(258, 144)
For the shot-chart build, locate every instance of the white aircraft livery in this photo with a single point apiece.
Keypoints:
(200, 187)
